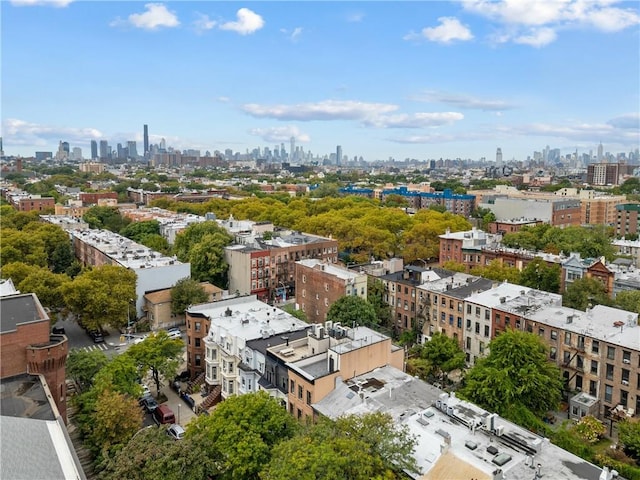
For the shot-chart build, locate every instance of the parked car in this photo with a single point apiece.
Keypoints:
(96, 336)
(163, 415)
(175, 431)
(58, 331)
(174, 333)
(176, 386)
(145, 391)
(149, 403)
(183, 376)
(140, 339)
(188, 400)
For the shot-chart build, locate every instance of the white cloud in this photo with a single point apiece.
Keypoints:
(464, 101)
(280, 134)
(247, 22)
(155, 16)
(20, 132)
(325, 110)
(414, 120)
(355, 17)
(47, 3)
(537, 37)
(600, 14)
(629, 120)
(223, 99)
(449, 30)
(293, 35)
(203, 23)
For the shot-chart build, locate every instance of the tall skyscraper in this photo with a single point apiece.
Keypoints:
(104, 149)
(293, 148)
(338, 154)
(600, 152)
(1, 149)
(499, 156)
(94, 149)
(133, 149)
(146, 140)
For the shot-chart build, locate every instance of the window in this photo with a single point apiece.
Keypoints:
(626, 357)
(625, 376)
(608, 393)
(198, 360)
(486, 330)
(498, 319)
(507, 321)
(197, 341)
(594, 367)
(477, 311)
(451, 304)
(197, 326)
(541, 332)
(450, 319)
(468, 343)
(214, 373)
(230, 387)
(300, 391)
(308, 397)
(481, 347)
(566, 358)
(487, 315)
(609, 371)
(304, 279)
(595, 346)
(292, 386)
(554, 335)
(624, 397)
(469, 309)
(477, 327)
(611, 353)
(567, 338)
(553, 353)
(593, 388)
(459, 322)
(443, 317)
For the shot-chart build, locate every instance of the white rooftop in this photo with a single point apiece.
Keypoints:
(493, 297)
(124, 251)
(611, 325)
(331, 269)
(457, 280)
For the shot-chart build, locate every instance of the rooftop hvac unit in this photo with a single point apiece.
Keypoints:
(287, 352)
(500, 430)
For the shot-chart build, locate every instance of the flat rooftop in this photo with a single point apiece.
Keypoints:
(19, 310)
(331, 269)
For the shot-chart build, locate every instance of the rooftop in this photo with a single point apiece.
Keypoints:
(459, 285)
(20, 309)
(498, 295)
(331, 269)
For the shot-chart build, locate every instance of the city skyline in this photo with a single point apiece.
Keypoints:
(380, 79)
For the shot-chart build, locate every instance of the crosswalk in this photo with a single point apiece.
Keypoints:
(89, 348)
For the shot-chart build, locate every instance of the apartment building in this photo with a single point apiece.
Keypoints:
(441, 304)
(319, 285)
(601, 209)
(217, 335)
(401, 294)
(334, 351)
(153, 270)
(512, 225)
(603, 174)
(630, 248)
(627, 219)
(465, 247)
(266, 268)
(510, 313)
(576, 267)
(459, 204)
(598, 352)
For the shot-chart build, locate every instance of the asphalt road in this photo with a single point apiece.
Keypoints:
(80, 340)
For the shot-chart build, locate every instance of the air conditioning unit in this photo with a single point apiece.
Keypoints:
(468, 329)
(500, 430)
(626, 360)
(625, 382)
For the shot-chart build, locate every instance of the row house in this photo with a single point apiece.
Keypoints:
(630, 248)
(479, 316)
(401, 294)
(331, 352)
(576, 267)
(465, 247)
(217, 336)
(442, 303)
(319, 285)
(598, 352)
(266, 268)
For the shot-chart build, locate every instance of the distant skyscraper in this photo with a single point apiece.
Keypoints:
(104, 149)
(76, 153)
(94, 149)
(1, 149)
(600, 152)
(163, 144)
(499, 155)
(293, 148)
(338, 154)
(133, 149)
(146, 139)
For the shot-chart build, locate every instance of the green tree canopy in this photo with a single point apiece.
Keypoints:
(107, 218)
(629, 300)
(584, 292)
(158, 353)
(82, 366)
(443, 354)
(375, 297)
(540, 275)
(629, 436)
(516, 373)
(241, 433)
(497, 271)
(186, 292)
(137, 230)
(351, 310)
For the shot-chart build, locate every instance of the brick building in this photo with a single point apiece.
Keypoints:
(27, 346)
(465, 247)
(627, 219)
(319, 285)
(576, 267)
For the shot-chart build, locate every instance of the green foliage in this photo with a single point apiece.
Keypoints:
(375, 297)
(291, 310)
(158, 353)
(137, 230)
(629, 300)
(516, 372)
(497, 271)
(156, 242)
(186, 292)
(629, 436)
(566, 438)
(351, 310)
(443, 354)
(116, 419)
(454, 266)
(82, 366)
(584, 292)
(590, 429)
(241, 433)
(39, 280)
(540, 275)
(106, 218)
(19, 246)
(101, 296)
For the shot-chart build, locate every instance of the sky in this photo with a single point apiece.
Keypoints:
(417, 79)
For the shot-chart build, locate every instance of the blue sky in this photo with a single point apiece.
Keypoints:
(383, 79)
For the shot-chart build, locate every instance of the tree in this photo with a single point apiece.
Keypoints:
(352, 310)
(443, 354)
(108, 218)
(497, 271)
(540, 275)
(629, 436)
(629, 300)
(375, 297)
(135, 231)
(590, 429)
(158, 353)
(454, 266)
(516, 373)
(101, 296)
(184, 293)
(19, 246)
(291, 310)
(241, 433)
(83, 365)
(46, 285)
(584, 292)
(116, 419)
(192, 235)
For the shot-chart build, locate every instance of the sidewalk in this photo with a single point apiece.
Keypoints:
(181, 410)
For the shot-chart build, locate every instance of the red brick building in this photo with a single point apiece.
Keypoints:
(34, 202)
(27, 346)
(92, 198)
